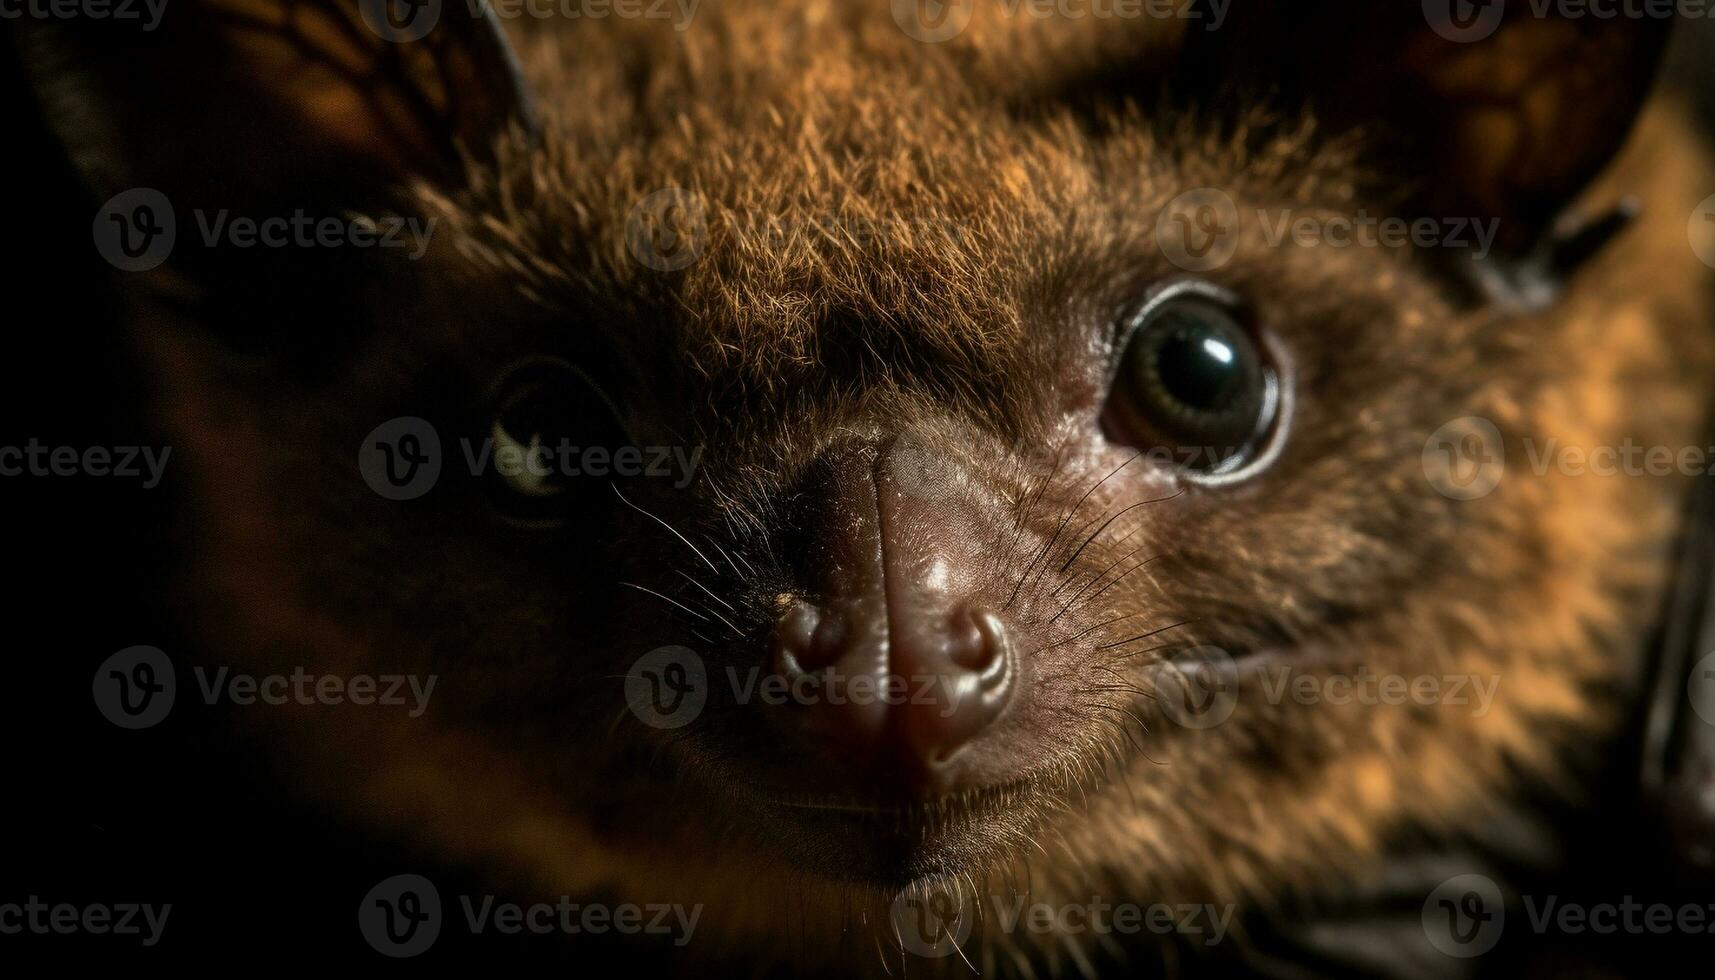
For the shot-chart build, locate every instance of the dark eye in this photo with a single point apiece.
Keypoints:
(543, 416)
(1195, 383)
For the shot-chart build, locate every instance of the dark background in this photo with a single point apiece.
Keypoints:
(183, 813)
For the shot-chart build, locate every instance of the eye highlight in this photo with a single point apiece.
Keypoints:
(1195, 381)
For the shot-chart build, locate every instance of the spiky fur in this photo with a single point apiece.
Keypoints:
(1002, 235)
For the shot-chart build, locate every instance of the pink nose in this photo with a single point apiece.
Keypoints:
(912, 663)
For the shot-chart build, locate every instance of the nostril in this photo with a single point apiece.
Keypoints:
(996, 667)
(828, 646)
(794, 639)
(809, 638)
(978, 641)
(975, 670)
(935, 677)
(966, 645)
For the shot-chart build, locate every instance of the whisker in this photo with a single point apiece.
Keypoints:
(1144, 652)
(670, 599)
(1104, 527)
(717, 547)
(1081, 634)
(1024, 516)
(1073, 512)
(706, 590)
(1098, 577)
(1141, 636)
(668, 526)
(1123, 576)
(747, 566)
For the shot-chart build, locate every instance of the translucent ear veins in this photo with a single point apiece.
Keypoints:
(274, 90)
(1501, 114)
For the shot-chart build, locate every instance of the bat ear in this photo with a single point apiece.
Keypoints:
(1478, 108)
(245, 98)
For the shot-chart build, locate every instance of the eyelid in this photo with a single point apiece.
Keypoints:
(1166, 292)
(555, 362)
(1281, 387)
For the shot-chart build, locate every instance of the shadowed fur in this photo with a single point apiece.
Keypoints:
(937, 240)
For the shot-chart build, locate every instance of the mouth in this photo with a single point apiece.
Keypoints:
(894, 843)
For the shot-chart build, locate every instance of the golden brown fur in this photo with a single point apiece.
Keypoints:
(924, 236)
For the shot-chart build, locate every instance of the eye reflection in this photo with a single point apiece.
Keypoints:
(1193, 380)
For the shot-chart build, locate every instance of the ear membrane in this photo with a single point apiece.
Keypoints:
(243, 96)
(1479, 110)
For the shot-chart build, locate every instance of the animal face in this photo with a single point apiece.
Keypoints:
(970, 424)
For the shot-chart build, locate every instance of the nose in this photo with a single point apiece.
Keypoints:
(910, 661)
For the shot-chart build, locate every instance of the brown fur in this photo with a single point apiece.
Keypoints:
(907, 236)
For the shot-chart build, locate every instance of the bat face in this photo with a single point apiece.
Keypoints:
(857, 463)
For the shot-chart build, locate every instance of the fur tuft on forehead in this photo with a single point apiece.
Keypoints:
(858, 206)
